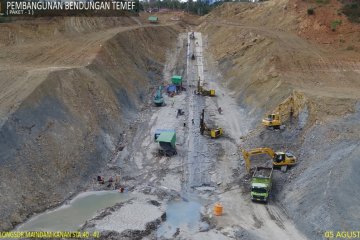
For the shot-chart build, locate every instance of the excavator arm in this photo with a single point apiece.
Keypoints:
(255, 151)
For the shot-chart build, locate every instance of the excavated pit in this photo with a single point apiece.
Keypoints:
(68, 118)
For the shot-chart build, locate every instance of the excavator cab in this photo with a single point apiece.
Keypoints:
(279, 157)
(272, 121)
(283, 160)
(272, 117)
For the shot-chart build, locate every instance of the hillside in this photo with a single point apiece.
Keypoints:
(270, 51)
(69, 90)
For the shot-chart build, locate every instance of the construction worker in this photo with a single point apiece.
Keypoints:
(101, 179)
(192, 120)
(219, 110)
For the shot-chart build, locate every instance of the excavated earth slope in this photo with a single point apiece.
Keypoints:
(264, 61)
(69, 89)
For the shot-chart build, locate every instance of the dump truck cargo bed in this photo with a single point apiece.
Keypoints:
(263, 172)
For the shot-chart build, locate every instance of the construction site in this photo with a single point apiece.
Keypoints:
(239, 124)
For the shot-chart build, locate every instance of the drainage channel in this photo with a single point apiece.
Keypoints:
(184, 215)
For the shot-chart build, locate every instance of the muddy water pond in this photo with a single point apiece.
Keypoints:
(71, 215)
(182, 214)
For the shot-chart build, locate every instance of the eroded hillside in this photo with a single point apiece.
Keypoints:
(264, 59)
(69, 91)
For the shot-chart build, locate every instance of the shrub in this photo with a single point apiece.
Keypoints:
(352, 11)
(322, 1)
(334, 24)
(310, 11)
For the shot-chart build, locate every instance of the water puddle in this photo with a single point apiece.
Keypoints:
(70, 216)
(181, 215)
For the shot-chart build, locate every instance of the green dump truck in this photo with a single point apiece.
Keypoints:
(167, 140)
(261, 184)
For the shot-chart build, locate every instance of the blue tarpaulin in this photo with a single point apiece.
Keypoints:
(171, 88)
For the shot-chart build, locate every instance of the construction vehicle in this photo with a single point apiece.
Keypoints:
(153, 19)
(158, 98)
(202, 91)
(261, 184)
(273, 120)
(212, 132)
(166, 141)
(159, 131)
(176, 80)
(280, 159)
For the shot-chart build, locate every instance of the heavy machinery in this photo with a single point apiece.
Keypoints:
(166, 141)
(202, 91)
(280, 159)
(158, 98)
(159, 131)
(212, 132)
(153, 19)
(274, 120)
(261, 184)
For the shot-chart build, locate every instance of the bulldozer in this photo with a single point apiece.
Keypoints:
(212, 132)
(204, 92)
(274, 120)
(279, 159)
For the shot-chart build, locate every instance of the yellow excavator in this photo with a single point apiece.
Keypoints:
(202, 91)
(273, 120)
(280, 159)
(212, 132)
